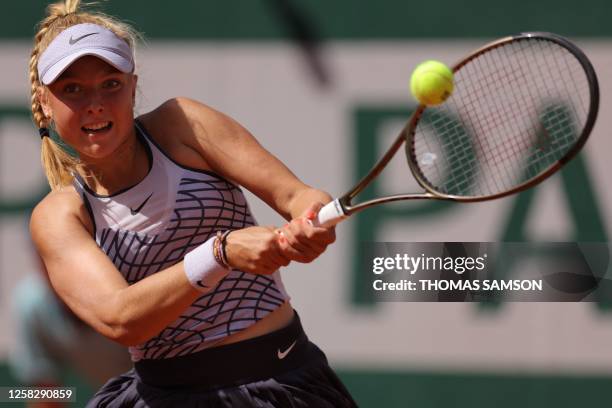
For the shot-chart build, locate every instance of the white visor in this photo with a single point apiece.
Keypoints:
(80, 40)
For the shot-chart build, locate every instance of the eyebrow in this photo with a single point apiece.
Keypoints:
(68, 75)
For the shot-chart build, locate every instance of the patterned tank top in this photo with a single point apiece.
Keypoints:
(151, 225)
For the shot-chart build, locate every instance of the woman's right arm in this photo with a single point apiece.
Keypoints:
(90, 284)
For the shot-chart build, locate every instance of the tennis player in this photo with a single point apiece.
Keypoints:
(148, 238)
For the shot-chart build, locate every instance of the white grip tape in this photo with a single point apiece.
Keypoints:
(331, 214)
(202, 269)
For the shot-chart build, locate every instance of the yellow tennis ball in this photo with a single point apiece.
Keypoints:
(431, 83)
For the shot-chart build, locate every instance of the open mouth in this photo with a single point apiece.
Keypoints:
(97, 127)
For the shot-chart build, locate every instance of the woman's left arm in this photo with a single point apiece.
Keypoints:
(230, 150)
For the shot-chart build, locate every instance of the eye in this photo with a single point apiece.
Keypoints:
(112, 84)
(72, 88)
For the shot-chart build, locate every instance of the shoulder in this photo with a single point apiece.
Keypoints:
(188, 130)
(185, 118)
(59, 210)
(179, 114)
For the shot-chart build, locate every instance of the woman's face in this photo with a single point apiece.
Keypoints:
(91, 105)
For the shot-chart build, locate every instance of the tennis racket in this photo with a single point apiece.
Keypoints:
(523, 106)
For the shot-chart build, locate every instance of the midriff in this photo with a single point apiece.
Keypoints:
(276, 320)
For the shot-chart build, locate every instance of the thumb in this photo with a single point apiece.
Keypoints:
(312, 210)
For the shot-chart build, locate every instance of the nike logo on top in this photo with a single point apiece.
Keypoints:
(282, 354)
(73, 41)
(137, 210)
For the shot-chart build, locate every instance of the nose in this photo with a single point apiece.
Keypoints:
(95, 103)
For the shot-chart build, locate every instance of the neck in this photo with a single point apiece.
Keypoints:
(125, 167)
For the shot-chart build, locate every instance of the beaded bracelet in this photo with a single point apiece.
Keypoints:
(223, 239)
(217, 251)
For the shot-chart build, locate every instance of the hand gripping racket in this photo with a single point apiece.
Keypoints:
(523, 106)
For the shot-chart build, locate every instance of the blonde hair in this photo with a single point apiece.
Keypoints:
(58, 164)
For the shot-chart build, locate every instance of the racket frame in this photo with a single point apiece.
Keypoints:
(342, 205)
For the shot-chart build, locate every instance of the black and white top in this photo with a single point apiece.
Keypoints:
(151, 225)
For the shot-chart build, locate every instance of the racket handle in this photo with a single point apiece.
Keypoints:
(331, 214)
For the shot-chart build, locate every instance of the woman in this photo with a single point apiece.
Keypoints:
(148, 239)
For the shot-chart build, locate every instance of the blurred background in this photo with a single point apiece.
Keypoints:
(324, 86)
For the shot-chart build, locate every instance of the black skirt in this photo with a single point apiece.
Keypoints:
(277, 370)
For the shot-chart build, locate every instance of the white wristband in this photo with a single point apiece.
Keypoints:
(202, 269)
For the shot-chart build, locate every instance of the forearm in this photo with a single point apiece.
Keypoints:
(304, 199)
(145, 308)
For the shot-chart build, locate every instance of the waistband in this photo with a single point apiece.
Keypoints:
(233, 364)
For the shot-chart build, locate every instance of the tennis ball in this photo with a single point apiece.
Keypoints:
(431, 83)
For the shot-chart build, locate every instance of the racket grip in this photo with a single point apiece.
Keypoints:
(331, 214)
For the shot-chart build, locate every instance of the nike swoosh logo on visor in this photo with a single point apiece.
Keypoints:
(283, 354)
(137, 210)
(73, 41)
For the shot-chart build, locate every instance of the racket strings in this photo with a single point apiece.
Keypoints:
(517, 109)
(549, 118)
(516, 147)
(558, 128)
(512, 149)
(514, 121)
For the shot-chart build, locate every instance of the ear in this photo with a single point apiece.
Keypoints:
(41, 94)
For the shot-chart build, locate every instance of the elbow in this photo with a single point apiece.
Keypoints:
(122, 332)
(128, 337)
(115, 331)
(116, 325)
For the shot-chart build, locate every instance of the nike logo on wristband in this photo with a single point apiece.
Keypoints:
(137, 210)
(73, 41)
(282, 354)
(200, 284)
